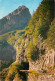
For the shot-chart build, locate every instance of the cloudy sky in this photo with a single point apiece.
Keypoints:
(7, 6)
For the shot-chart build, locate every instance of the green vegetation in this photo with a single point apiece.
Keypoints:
(51, 35)
(37, 74)
(41, 19)
(32, 52)
(40, 29)
(17, 77)
(4, 73)
(13, 71)
(11, 37)
(4, 64)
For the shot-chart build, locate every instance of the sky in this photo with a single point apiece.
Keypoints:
(8, 6)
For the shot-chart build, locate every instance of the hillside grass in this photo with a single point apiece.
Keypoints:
(11, 37)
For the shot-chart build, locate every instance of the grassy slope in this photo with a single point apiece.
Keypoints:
(11, 36)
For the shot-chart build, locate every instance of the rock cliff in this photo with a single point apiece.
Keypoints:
(41, 77)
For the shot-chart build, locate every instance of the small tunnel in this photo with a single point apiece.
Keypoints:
(25, 65)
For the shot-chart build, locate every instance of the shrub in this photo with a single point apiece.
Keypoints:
(51, 35)
(13, 70)
(32, 52)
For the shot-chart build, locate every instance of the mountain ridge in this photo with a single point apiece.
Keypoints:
(17, 20)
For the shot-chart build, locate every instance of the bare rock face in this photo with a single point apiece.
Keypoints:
(16, 20)
(45, 61)
(21, 54)
(46, 77)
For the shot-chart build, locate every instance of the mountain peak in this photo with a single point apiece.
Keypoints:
(16, 20)
(22, 7)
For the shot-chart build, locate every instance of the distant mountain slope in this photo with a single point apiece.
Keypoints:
(7, 41)
(16, 20)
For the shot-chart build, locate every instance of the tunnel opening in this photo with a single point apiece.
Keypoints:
(23, 73)
(25, 65)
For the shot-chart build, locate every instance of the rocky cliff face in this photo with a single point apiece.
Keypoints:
(46, 57)
(21, 50)
(16, 20)
(45, 61)
(41, 77)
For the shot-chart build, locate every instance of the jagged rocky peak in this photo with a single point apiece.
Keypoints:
(21, 8)
(18, 11)
(16, 20)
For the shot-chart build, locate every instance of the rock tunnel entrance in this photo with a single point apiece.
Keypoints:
(23, 73)
(25, 65)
